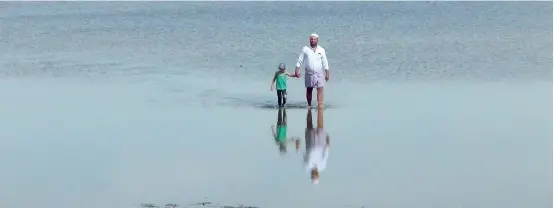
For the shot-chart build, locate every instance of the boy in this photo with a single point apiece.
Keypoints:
(280, 133)
(280, 78)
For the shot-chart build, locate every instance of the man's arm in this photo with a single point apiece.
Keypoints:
(325, 65)
(299, 63)
(297, 72)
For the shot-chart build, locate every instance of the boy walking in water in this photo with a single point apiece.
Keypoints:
(280, 133)
(280, 78)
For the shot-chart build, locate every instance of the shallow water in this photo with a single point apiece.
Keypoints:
(105, 109)
(400, 147)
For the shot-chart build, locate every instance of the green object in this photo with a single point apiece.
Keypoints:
(281, 81)
(281, 133)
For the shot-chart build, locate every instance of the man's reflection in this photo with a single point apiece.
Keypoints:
(317, 146)
(280, 133)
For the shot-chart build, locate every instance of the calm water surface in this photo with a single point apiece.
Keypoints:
(442, 104)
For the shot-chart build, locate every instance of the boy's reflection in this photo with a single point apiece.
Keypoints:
(280, 133)
(317, 146)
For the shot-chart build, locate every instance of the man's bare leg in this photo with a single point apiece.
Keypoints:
(309, 123)
(308, 132)
(320, 97)
(320, 118)
(309, 95)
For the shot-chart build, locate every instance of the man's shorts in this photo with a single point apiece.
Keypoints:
(315, 80)
(314, 137)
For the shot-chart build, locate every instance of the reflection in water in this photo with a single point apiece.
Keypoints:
(195, 205)
(317, 146)
(209, 205)
(280, 132)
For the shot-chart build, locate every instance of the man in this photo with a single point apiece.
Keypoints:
(314, 61)
(317, 146)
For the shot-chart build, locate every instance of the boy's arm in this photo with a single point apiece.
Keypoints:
(273, 81)
(293, 139)
(273, 131)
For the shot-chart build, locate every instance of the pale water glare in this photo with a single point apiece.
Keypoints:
(430, 104)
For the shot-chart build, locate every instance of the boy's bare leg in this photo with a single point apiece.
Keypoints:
(284, 121)
(280, 117)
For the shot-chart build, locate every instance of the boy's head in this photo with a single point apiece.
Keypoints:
(282, 67)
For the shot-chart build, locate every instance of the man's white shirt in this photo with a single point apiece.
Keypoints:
(318, 152)
(313, 61)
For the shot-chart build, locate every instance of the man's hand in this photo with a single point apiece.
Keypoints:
(297, 72)
(326, 75)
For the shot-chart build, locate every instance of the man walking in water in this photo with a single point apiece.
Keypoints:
(314, 61)
(317, 146)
